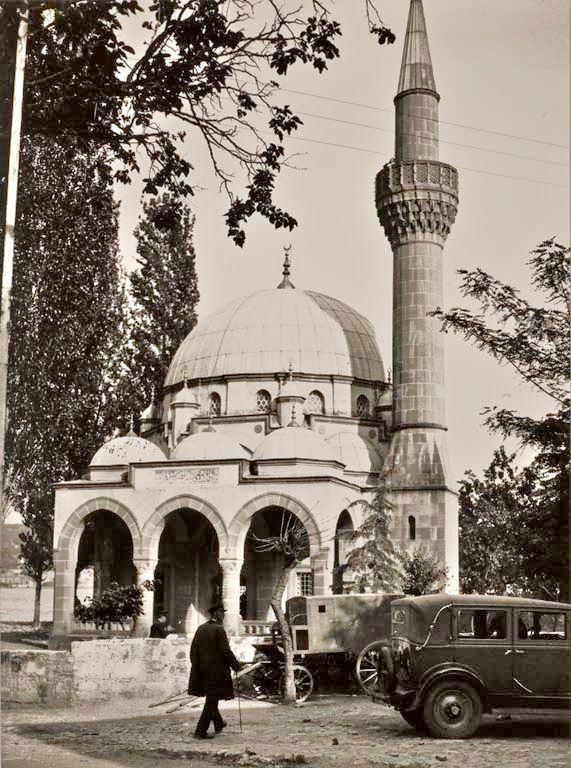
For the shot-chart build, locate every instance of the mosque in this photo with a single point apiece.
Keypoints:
(280, 403)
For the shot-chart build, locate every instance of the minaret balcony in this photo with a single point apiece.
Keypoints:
(417, 198)
(404, 174)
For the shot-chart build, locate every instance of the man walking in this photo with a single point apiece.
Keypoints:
(211, 660)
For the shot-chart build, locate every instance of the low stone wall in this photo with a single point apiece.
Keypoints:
(37, 677)
(101, 669)
(104, 669)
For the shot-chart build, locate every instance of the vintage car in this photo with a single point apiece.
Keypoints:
(452, 658)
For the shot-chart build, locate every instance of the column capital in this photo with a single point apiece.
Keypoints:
(145, 568)
(230, 565)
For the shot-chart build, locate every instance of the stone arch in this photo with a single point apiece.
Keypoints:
(68, 540)
(153, 527)
(238, 528)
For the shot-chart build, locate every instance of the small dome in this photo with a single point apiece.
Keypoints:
(184, 396)
(356, 452)
(151, 412)
(294, 443)
(292, 388)
(386, 398)
(208, 446)
(128, 449)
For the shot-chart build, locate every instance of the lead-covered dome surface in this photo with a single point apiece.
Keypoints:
(126, 450)
(208, 446)
(294, 443)
(267, 331)
(356, 452)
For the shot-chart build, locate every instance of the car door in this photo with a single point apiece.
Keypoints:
(542, 652)
(482, 642)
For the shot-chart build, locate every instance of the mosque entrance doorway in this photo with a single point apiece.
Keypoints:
(188, 575)
(263, 567)
(105, 555)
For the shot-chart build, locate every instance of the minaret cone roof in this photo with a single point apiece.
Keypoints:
(416, 67)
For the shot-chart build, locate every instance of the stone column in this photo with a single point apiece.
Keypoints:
(145, 572)
(231, 568)
(64, 594)
(322, 573)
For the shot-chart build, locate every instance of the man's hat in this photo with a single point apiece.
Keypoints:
(216, 608)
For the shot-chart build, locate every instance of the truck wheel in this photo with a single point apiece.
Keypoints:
(452, 710)
(414, 717)
(369, 663)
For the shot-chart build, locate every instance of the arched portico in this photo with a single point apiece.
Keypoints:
(66, 554)
(180, 549)
(154, 526)
(238, 528)
(260, 510)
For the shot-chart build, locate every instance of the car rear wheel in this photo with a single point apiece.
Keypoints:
(414, 717)
(373, 660)
(452, 710)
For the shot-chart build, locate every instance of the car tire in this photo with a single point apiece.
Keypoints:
(414, 717)
(452, 710)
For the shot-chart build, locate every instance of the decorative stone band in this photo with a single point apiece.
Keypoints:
(417, 199)
(419, 425)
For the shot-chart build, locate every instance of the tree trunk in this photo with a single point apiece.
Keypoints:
(37, 599)
(276, 603)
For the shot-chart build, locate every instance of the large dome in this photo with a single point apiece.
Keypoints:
(270, 330)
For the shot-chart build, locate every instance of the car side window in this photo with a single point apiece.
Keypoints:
(541, 625)
(477, 624)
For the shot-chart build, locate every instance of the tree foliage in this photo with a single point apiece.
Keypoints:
(164, 290)
(422, 572)
(375, 561)
(207, 68)
(524, 512)
(512, 539)
(67, 317)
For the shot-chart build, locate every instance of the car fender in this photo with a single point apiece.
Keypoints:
(445, 672)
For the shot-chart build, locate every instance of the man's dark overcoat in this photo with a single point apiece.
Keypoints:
(211, 660)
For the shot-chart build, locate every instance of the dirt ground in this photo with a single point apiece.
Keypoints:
(325, 732)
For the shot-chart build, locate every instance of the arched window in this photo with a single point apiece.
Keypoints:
(315, 402)
(363, 406)
(411, 527)
(342, 547)
(343, 535)
(214, 404)
(263, 401)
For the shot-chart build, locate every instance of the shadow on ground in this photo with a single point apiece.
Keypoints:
(325, 732)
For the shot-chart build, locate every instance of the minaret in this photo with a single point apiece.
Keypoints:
(417, 198)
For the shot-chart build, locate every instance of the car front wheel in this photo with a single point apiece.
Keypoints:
(452, 710)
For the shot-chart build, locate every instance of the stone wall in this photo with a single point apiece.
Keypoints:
(96, 670)
(37, 677)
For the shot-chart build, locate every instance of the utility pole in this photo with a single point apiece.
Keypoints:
(9, 234)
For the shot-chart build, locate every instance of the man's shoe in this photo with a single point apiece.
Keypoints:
(203, 735)
(220, 727)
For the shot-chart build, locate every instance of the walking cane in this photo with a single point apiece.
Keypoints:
(238, 697)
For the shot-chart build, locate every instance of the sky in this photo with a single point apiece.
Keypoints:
(501, 68)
